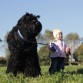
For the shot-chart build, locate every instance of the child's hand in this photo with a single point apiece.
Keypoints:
(68, 50)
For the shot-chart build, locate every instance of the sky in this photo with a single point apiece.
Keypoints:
(64, 14)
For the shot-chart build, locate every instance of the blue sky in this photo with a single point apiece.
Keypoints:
(64, 14)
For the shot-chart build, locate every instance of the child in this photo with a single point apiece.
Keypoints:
(59, 50)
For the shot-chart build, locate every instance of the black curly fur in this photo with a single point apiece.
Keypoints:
(23, 54)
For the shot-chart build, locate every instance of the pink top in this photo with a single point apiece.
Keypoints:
(60, 47)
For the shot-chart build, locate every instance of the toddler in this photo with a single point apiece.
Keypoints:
(59, 50)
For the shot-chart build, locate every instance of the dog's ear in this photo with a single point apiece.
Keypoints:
(38, 16)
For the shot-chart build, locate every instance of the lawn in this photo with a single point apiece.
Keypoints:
(71, 74)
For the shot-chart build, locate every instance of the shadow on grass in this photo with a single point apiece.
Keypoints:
(78, 71)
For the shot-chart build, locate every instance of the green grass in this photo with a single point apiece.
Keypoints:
(71, 74)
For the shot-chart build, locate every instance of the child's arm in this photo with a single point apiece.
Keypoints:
(52, 47)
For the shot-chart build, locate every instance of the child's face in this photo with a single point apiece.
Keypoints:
(59, 36)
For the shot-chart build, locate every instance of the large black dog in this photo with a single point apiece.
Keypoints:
(22, 45)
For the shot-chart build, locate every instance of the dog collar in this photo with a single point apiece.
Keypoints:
(21, 36)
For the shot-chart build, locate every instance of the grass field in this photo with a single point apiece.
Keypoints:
(71, 74)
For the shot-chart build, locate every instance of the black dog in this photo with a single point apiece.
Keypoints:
(23, 46)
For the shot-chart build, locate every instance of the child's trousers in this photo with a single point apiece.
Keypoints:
(57, 63)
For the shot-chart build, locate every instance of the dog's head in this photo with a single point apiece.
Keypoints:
(29, 26)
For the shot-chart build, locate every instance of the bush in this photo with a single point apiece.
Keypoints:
(3, 61)
(43, 55)
(74, 63)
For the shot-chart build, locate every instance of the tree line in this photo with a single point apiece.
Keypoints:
(72, 39)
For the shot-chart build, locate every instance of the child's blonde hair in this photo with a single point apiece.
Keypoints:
(55, 31)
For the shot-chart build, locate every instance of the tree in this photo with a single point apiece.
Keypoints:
(48, 34)
(44, 55)
(46, 37)
(5, 47)
(40, 38)
(44, 50)
(80, 52)
(82, 40)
